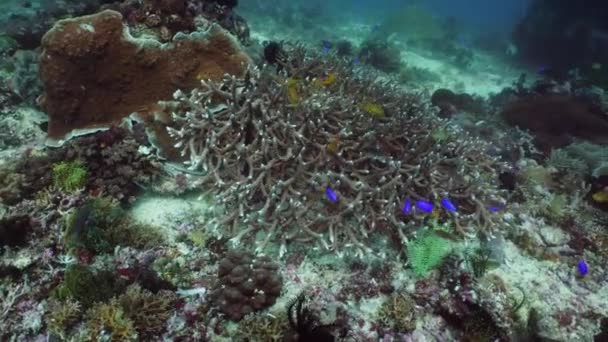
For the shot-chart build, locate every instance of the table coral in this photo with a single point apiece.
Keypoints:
(95, 73)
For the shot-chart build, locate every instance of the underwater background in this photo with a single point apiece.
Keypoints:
(273, 170)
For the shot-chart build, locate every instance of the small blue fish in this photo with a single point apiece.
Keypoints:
(407, 206)
(331, 194)
(326, 46)
(375, 27)
(448, 205)
(425, 206)
(582, 267)
(355, 60)
(496, 209)
(543, 69)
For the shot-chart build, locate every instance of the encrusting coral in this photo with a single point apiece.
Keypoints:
(271, 156)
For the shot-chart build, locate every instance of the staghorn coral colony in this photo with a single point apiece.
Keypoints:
(208, 170)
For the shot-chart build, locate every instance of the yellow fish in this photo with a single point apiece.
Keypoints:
(373, 109)
(334, 144)
(293, 90)
(326, 81)
(601, 196)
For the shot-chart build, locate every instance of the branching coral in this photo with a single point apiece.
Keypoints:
(270, 158)
(148, 311)
(62, 315)
(10, 294)
(108, 322)
(264, 328)
(398, 313)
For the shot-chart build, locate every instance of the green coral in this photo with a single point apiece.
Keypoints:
(107, 322)
(147, 311)
(398, 313)
(427, 252)
(62, 316)
(69, 176)
(85, 286)
(82, 233)
(100, 224)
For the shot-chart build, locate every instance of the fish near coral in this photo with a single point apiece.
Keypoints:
(331, 195)
(294, 90)
(333, 145)
(582, 267)
(374, 109)
(325, 81)
(425, 206)
(448, 205)
(601, 196)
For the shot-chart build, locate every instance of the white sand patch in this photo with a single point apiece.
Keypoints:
(486, 75)
(552, 288)
(162, 211)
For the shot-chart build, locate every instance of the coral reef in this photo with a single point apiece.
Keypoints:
(398, 313)
(108, 321)
(449, 102)
(24, 81)
(27, 25)
(146, 310)
(558, 26)
(317, 196)
(85, 286)
(556, 119)
(245, 284)
(15, 231)
(256, 142)
(263, 328)
(69, 176)
(426, 252)
(62, 316)
(381, 54)
(96, 53)
(115, 164)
